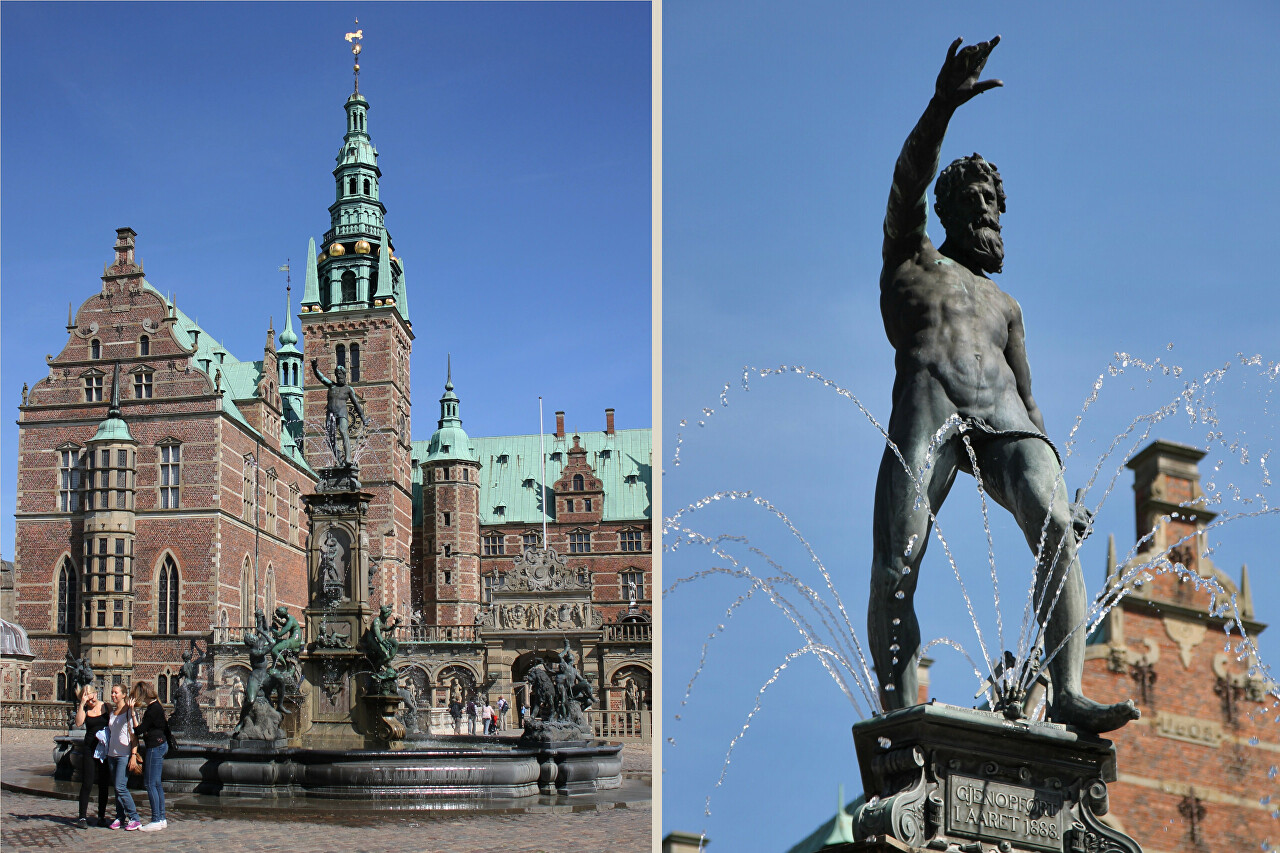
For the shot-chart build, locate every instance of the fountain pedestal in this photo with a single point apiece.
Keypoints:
(938, 777)
(338, 609)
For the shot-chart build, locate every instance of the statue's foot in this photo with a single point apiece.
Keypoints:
(1076, 711)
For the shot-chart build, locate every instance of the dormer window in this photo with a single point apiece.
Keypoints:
(606, 453)
(528, 483)
(499, 510)
(503, 459)
(578, 483)
(557, 456)
(631, 479)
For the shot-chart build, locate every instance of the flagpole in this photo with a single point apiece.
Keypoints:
(542, 444)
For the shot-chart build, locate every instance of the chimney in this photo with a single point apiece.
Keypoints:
(608, 421)
(559, 424)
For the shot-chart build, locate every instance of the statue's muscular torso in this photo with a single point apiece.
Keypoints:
(950, 329)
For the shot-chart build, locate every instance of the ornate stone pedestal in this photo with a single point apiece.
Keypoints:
(939, 777)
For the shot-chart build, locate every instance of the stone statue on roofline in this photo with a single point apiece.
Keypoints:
(962, 369)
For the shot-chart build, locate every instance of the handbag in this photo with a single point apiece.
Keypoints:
(134, 767)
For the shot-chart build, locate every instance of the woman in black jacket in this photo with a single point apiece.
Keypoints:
(153, 734)
(93, 715)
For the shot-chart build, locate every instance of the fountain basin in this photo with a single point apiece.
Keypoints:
(479, 770)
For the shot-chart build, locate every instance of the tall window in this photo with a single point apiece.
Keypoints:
(246, 493)
(95, 348)
(246, 593)
(634, 576)
(93, 389)
(142, 385)
(68, 481)
(579, 542)
(271, 503)
(170, 475)
(486, 592)
(348, 286)
(493, 544)
(167, 601)
(144, 345)
(162, 687)
(67, 598)
(355, 363)
(578, 483)
(269, 590)
(340, 351)
(118, 565)
(631, 540)
(293, 517)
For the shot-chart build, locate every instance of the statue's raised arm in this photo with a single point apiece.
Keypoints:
(315, 368)
(904, 221)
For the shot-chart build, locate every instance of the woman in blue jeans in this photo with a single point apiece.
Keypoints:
(153, 734)
(119, 745)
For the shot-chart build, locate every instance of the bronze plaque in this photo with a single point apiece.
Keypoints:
(997, 811)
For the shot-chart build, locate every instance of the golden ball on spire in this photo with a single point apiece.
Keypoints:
(336, 249)
(363, 247)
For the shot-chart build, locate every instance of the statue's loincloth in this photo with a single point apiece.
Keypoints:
(986, 432)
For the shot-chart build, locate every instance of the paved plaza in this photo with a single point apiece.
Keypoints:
(43, 823)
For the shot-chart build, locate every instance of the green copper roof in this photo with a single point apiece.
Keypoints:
(837, 830)
(450, 440)
(288, 339)
(311, 291)
(112, 429)
(621, 461)
(239, 378)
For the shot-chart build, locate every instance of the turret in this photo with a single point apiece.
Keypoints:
(292, 379)
(106, 632)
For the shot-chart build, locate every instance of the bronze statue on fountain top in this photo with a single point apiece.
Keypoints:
(961, 357)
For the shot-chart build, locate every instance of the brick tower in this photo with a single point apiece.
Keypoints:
(355, 313)
(451, 521)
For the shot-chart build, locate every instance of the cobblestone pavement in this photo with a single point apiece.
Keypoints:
(39, 823)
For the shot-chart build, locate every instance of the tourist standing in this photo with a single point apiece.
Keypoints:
(471, 716)
(455, 711)
(119, 745)
(153, 733)
(502, 712)
(94, 716)
(488, 717)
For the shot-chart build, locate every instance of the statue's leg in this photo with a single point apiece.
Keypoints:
(1023, 476)
(899, 537)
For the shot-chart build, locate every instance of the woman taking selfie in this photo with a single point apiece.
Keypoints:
(153, 734)
(94, 716)
(119, 745)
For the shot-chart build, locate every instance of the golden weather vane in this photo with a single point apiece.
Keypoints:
(355, 38)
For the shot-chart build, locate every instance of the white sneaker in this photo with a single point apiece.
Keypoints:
(155, 826)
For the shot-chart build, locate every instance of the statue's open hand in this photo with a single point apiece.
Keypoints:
(958, 79)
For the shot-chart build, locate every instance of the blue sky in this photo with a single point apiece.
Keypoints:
(514, 142)
(1137, 146)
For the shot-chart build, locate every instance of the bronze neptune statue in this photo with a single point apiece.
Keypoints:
(961, 357)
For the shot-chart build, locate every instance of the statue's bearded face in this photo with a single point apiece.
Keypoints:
(979, 228)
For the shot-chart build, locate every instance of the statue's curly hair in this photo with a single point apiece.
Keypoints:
(961, 173)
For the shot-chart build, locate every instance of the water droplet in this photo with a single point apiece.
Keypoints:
(906, 570)
(897, 621)
(1271, 774)
(1253, 741)
(884, 742)
(874, 800)
(1265, 800)
(911, 543)
(894, 647)
(899, 595)
(889, 688)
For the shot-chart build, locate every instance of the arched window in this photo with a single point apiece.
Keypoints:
(95, 348)
(62, 687)
(67, 597)
(144, 345)
(348, 286)
(167, 601)
(341, 352)
(355, 363)
(162, 687)
(366, 186)
(578, 483)
(351, 186)
(246, 594)
(295, 374)
(269, 595)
